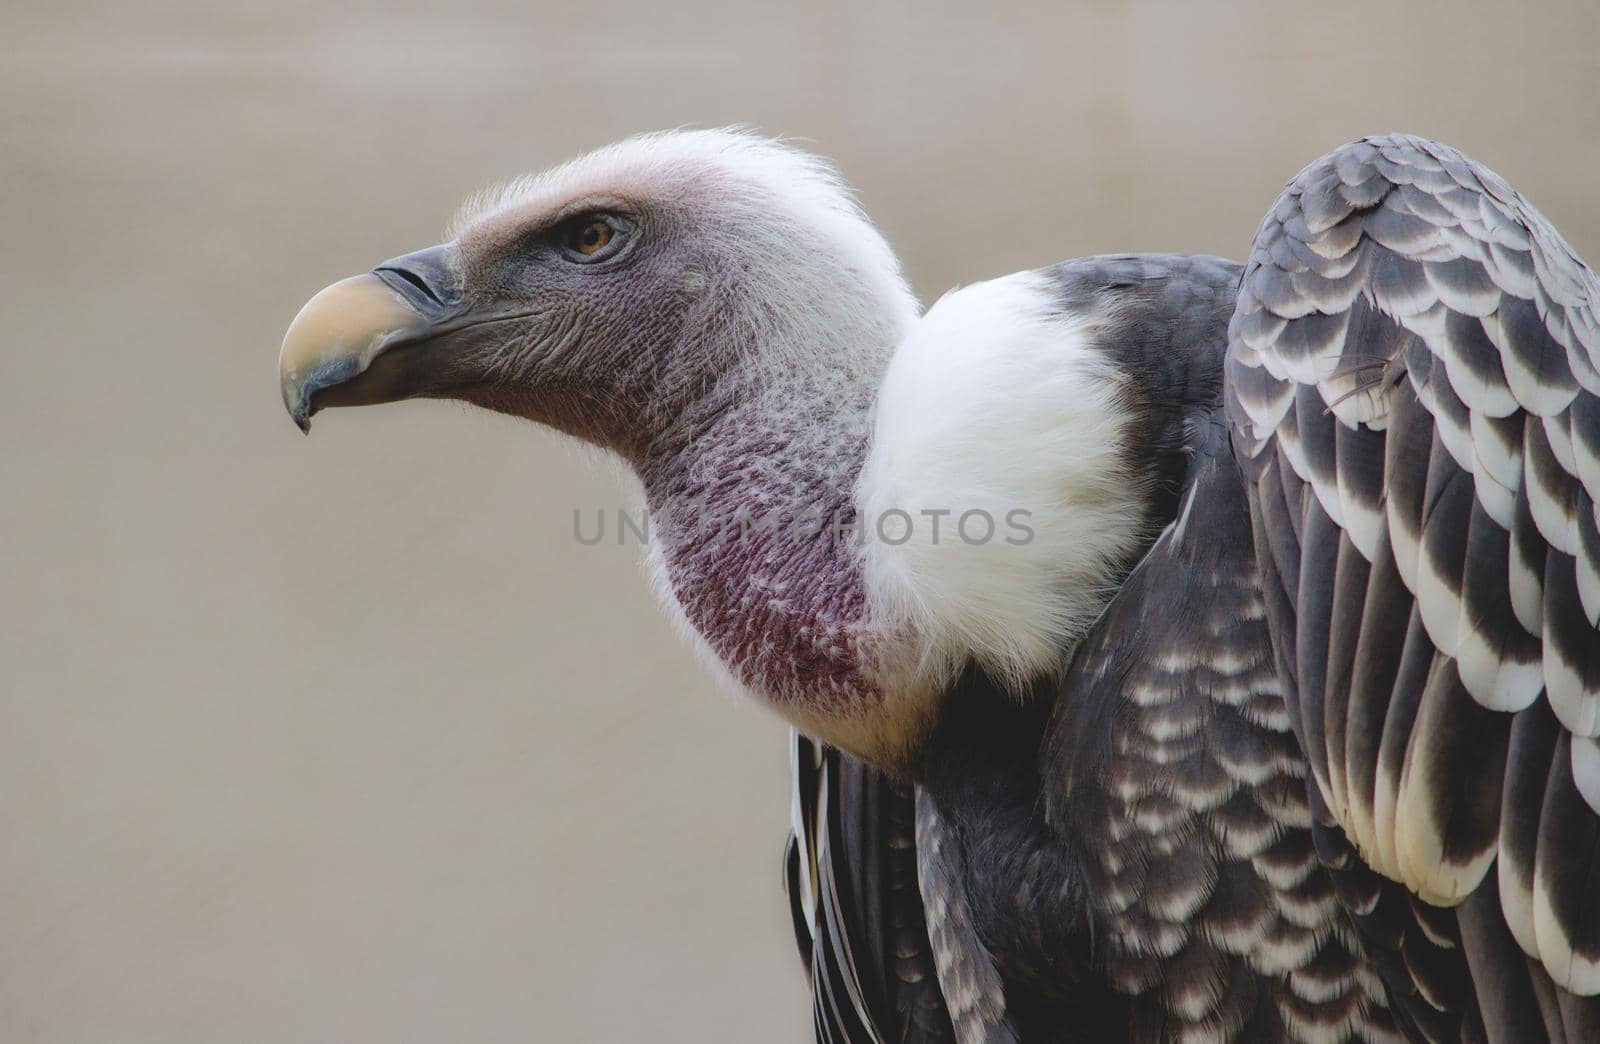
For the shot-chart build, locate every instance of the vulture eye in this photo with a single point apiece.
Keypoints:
(591, 237)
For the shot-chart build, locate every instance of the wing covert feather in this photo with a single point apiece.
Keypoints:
(1173, 757)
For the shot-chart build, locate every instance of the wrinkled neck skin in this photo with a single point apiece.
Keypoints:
(750, 491)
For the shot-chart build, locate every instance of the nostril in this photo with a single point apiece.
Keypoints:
(415, 280)
(429, 279)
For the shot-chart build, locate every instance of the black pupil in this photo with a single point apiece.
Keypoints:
(591, 235)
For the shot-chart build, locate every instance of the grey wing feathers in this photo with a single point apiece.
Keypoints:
(851, 872)
(1413, 385)
(1175, 763)
(974, 993)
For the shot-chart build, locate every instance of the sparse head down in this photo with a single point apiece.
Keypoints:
(607, 296)
(715, 308)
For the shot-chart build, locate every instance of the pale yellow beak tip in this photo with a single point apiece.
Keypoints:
(335, 336)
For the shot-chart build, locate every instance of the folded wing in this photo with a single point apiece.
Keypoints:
(1414, 391)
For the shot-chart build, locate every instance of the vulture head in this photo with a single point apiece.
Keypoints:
(612, 296)
(715, 309)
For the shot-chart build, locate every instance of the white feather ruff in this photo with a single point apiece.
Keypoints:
(997, 403)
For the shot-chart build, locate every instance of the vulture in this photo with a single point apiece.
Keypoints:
(1176, 649)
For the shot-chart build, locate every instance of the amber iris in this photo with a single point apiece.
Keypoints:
(590, 237)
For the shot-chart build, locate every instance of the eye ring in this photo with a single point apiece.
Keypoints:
(591, 237)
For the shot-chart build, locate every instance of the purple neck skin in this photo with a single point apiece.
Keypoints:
(750, 508)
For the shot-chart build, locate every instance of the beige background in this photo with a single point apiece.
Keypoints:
(346, 739)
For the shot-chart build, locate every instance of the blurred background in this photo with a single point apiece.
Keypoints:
(348, 739)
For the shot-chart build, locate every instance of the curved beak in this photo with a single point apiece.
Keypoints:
(347, 347)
